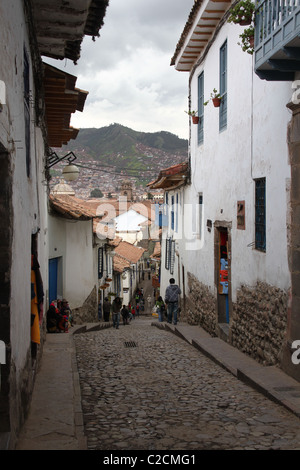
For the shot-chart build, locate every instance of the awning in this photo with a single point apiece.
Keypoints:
(171, 178)
(61, 100)
(61, 25)
(201, 25)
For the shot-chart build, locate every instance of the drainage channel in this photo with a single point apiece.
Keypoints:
(130, 344)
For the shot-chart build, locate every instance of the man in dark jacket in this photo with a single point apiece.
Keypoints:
(116, 309)
(171, 299)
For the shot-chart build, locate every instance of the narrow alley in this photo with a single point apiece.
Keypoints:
(143, 388)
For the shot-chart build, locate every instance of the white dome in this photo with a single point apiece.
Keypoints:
(63, 188)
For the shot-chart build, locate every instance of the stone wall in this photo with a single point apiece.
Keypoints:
(258, 323)
(200, 306)
(259, 320)
(88, 312)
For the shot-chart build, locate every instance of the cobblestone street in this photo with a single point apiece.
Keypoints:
(146, 389)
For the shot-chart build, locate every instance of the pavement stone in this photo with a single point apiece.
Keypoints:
(184, 390)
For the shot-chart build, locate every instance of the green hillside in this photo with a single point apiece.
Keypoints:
(117, 139)
(124, 151)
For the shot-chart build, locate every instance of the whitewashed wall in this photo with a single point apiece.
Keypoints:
(28, 193)
(73, 241)
(224, 166)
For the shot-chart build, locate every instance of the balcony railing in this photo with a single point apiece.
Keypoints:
(277, 41)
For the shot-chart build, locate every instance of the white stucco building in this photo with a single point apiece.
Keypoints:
(27, 133)
(226, 242)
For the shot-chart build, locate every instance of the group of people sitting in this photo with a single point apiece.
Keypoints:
(59, 316)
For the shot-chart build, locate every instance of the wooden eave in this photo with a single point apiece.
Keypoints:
(61, 100)
(171, 178)
(203, 20)
(70, 207)
(60, 26)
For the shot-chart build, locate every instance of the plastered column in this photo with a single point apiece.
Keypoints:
(293, 324)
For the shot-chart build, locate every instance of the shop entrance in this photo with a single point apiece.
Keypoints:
(222, 271)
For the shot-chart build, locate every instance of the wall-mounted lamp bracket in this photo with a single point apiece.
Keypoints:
(53, 159)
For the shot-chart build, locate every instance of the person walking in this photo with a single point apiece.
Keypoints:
(171, 300)
(160, 307)
(125, 315)
(116, 308)
(106, 309)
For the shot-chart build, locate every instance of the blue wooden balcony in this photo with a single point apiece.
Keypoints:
(277, 39)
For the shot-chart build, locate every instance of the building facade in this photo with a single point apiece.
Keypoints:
(229, 250)
(27, 133)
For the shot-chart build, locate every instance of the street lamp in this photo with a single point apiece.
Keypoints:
(70, 172)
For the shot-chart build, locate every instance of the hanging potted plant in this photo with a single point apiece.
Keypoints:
(247, 40)
(242, 13)
(194, 116)
(215, 97)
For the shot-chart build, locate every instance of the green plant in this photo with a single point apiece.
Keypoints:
(214, 95)
(247, 40)
(243, 11)
(191, 113)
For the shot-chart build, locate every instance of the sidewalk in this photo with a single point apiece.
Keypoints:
(55, 417)
(55, 421)
(269, 380)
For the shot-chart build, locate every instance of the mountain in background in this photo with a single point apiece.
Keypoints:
(116, 139)
(116, 152)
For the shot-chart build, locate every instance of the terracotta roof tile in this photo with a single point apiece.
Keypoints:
(70, 207)
(129, 252)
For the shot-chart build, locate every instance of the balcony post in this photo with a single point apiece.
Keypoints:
(293, 321)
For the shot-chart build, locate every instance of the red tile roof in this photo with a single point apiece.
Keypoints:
(130, 252)
(171, 178)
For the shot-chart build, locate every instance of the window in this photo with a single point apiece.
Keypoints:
(100, 262)
(170, 255)
(201, 108)
(177, 215)
(200, 214)
(223, 87)
(260, 214)
(27, 111)
(172, 213)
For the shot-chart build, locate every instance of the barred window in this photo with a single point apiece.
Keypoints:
(26, 80)
(223, 87)
(100, 262)
(260, 214)
(170, 255)
(201, 108)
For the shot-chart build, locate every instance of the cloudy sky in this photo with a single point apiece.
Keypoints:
(127, 69)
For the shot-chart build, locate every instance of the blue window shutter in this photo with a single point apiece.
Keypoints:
(201, 108)
(223, 87)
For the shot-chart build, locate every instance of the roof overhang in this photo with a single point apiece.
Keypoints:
(203, 21)
(62, 99)
(69, 207)
(171, 178)
(60, 26)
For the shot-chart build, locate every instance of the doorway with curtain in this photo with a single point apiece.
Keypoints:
(223, 273)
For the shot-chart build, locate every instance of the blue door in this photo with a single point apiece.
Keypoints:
(53, 263)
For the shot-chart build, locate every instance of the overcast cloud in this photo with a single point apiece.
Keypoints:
(127, 69)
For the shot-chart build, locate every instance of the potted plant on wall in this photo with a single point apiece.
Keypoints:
(194, 116)
(247, 40)
(215, 97)
(242, 13)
